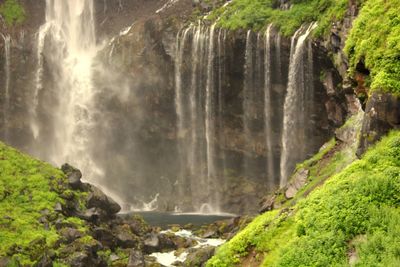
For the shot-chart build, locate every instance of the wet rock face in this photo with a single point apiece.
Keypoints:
(298, 180)
(382, 114)
(144, 59)
(135, 117)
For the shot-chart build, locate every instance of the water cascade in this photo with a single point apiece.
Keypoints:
(240, 118)
(296, 115)
(221, 46)
(196, 110)
(69, 33)
(248, 94)
(210, 114)
(268, 61)
(7, 64)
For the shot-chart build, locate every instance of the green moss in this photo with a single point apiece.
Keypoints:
(356, 211)
(230, 253)
(375, 41)
(256, 14)
(12, 12)
(25, 186)
(29, 191)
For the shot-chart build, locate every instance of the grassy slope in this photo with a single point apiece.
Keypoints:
(375, 40)
(12, 12)
(257, 14)
(29, 190)
(355, 213)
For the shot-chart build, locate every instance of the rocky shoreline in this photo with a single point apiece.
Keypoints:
(91, 233)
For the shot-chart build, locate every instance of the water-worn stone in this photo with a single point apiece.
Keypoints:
(151, 243)
(199, 257)
(125, 238)
(136, 259)
(166, 243)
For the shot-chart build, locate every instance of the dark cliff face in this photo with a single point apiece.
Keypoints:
(382, 114)
(140, 128)
(135, 137)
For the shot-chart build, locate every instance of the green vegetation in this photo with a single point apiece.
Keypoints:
(25, 196)
(353, 219)
(12, 12)
(375, 41)
(29, 192)
(256, 14)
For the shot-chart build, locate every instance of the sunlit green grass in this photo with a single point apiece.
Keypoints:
(357, 210)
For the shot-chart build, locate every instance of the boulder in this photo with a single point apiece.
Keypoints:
(105, 237)
(125, 238)
(74, 176)
(382, 114)
(45, 261)
(137, 225)
(90, 215)
(151, 243)
(70, 234)
(79, 259)
(199, 257)
(267, 204)
(298, 181)
(166, 242)
(97, 199)
(136, 259)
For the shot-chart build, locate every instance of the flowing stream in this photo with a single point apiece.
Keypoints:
(7, 65)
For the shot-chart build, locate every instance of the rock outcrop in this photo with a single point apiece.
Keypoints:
(382, 114)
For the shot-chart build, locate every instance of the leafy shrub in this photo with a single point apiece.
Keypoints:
(356, 210)
(256, 14)
(12, 12)
(375, 41)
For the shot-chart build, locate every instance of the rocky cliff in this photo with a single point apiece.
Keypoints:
(137, 139)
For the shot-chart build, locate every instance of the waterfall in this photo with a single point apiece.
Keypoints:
(221, 83)
(69, 32)
(209, 108)
(196, 108)
(268, 61)
(7, 65)
(179, 107)
(295, 117)
(43, 31)
(248, 91)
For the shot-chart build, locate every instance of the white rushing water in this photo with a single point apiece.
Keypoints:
(197, 103)
(294, 135)
(7, 65)
(248, 95)
(69, 32)
(41, 35)
(167, 5)
(168, 258)
(209, 120)
(268, 102)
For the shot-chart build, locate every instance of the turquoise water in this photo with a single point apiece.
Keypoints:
(163, 219)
